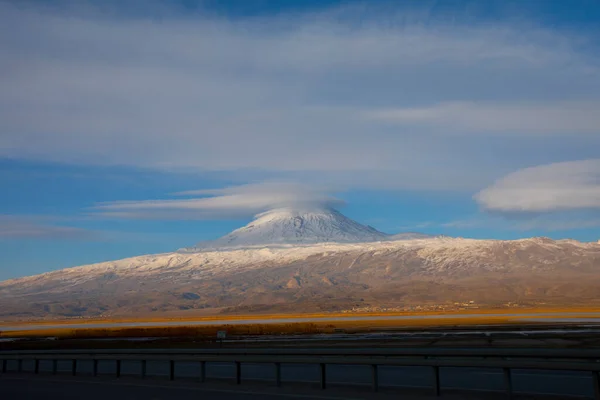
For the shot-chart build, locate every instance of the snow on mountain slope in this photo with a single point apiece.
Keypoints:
(314, 259)
(322, 276)
(437, 253)
(291, 226)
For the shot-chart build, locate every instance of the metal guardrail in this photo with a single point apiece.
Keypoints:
(505, 359)
(591, 354)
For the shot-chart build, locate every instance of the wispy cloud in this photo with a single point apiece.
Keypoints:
(559, 117)
(560, 223)
(23, 227)
(527, 224)
(289, 93)
(230, 202)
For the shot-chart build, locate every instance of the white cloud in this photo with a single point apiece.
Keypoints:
(230, 202)
(553, 187)
(289, 93)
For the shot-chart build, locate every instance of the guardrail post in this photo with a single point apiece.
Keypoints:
(278, 374)
(20, 366)
(143, 369)
(54, 367)
(202, 371)
(172, 370)
(37, 366)
(596, 381)
(323, 368)
(508, 383)
(238, 372)
(118, 368)
(74, 367)
(4, 366)
(95, 372)
(375, 375)
(436, 381)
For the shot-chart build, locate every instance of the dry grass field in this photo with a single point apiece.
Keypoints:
(279, 324)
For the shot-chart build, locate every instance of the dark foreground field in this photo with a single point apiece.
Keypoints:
(501, 336)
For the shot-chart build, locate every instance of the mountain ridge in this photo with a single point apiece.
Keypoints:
(321, 277)
(403, 270)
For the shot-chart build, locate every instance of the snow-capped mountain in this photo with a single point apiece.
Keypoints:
(295, 226)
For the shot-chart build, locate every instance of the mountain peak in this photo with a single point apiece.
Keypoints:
(294, 226)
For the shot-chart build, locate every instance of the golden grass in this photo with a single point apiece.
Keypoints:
(572, 311)
(321, 323)
(210, 331)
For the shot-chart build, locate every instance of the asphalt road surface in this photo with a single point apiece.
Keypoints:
(560, 383)
(68, 388)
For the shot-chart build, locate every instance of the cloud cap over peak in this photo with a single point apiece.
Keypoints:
(553, 187)
(229, 202)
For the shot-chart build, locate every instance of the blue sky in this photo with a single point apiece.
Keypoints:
(465, 118)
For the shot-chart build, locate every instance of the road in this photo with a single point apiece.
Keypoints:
(29, 387)
(561, 383)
